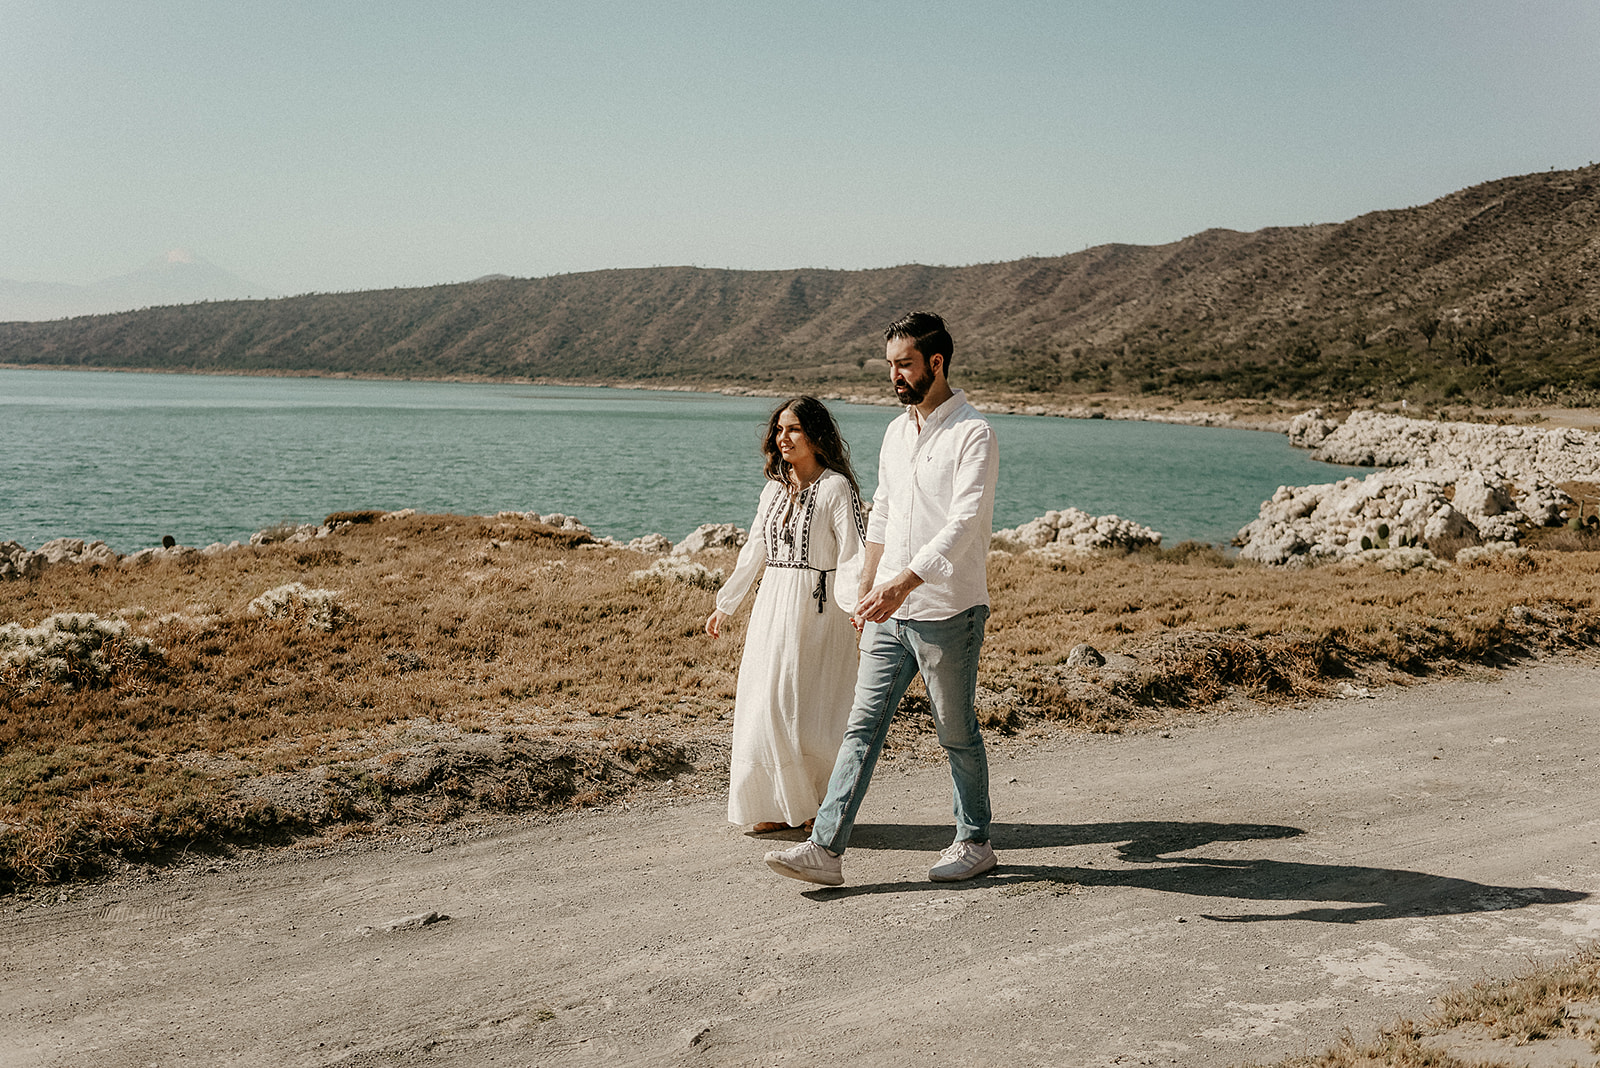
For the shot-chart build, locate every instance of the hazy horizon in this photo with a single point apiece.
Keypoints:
(307, 148)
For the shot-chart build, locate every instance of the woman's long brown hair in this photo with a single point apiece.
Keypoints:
(833, 451)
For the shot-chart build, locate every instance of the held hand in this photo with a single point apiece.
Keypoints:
(714, 623)
(856, 619)
(882, 600)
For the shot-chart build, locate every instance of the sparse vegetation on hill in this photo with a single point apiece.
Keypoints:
(426, 668)
(1489, 295)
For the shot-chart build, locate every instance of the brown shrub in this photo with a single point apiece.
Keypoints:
(368, 515)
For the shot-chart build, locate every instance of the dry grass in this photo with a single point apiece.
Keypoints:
(477, 664)
(466, 624)
(1489, 1024)
(1199, 626)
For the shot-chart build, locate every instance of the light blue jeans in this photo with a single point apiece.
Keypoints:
(945, 651)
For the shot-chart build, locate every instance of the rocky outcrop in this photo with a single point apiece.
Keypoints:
(711, 536)
(17, 562)
(1073, 530)
(1310, 429)
(1519, 454)
(648, 543)
(1446, 481)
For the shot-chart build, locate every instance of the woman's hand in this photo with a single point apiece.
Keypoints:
(714, 623)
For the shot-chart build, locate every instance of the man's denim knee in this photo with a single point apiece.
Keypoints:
(947, 652)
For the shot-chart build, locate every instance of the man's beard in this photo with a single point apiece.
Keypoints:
(913, 392)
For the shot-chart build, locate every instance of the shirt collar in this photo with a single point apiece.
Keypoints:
(940, 414)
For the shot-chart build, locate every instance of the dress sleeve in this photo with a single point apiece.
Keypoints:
(752, 558)
(850, 533)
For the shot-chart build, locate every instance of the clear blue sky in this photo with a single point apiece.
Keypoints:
(324, 144)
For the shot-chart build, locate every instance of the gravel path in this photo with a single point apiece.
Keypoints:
(1234, 888)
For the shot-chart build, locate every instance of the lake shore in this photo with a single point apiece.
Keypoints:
(1244, 414)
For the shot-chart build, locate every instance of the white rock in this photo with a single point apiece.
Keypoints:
(61, 550)
(1546, 505)
(1308, 429)
(711, 536)
(1477, 464)
(1477, 497)
(650, 543)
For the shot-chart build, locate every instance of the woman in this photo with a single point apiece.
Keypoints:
(798, 673)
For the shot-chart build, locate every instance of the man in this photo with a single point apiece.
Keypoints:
(923, 601)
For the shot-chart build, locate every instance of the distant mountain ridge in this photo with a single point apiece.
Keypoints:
(1489, 293)
(179, 277)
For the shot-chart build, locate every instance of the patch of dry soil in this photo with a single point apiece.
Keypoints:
(1235, 889)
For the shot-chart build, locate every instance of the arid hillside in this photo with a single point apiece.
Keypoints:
(1490, 294)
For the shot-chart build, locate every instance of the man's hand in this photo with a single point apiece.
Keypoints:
(881, 602)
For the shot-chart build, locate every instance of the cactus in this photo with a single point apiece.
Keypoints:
(1383, 531)
(1366, 542)
(75, 650)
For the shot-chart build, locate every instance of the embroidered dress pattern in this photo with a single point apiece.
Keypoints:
(797, 673)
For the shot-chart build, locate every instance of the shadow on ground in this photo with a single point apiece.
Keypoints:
(1343, 893)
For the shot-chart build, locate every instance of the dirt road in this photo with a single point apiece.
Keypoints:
(1236, 889)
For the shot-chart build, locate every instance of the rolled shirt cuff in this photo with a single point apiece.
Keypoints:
(929, 566)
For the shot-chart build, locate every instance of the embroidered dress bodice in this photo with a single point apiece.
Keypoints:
(786, 532)
(819, 530)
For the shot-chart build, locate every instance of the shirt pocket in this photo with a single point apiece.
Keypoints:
(935, 475)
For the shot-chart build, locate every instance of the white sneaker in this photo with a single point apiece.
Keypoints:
(809, 863)
(963, 860)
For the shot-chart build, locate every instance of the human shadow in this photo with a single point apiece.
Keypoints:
(1343, 893)
(1141, 839)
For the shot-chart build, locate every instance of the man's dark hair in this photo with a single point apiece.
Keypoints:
(927, 332)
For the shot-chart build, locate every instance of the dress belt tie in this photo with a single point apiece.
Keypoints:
(820, 594)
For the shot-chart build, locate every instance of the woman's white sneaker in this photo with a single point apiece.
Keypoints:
(809, 863)
(962, 860)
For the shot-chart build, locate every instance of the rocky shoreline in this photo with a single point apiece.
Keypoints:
(993, 406)
(1444, 482)
(1463, 483)
(1066, 531)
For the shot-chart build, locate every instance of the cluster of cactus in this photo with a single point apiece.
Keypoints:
(74, 650)
(296, 603)
(1402, 542)
(677, 569)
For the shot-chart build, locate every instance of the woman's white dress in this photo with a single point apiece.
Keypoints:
(797, 677)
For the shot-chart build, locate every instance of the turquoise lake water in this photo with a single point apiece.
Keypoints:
(128, 458)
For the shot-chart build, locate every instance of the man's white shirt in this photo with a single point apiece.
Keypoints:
(934, 508)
